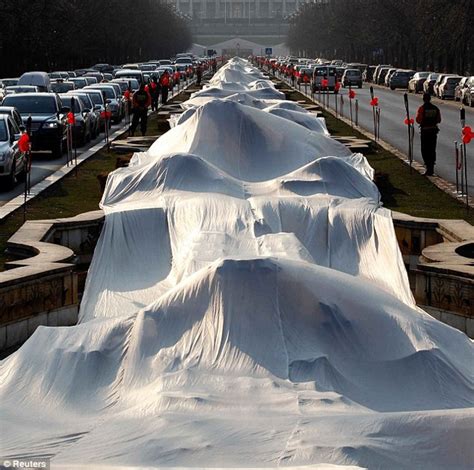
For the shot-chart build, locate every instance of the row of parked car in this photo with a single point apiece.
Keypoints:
(41, 102)
(443, 86)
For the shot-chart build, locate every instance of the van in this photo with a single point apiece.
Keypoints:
(37, 79)
(327, 72)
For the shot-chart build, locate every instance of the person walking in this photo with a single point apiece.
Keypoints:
(199, 74)
(140, 103)
(164, 84)
(428, 117)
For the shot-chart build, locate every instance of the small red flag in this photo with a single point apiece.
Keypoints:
(467, 135)
(24, 143)
(105, 114)
(71, 119)
(352, 94)
(374, 101)
(409, 121)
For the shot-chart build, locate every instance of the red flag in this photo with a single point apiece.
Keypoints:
(126, 95)
(352, 94)
(337, 87)
(24, 143)
(71, 119)
(374, 101)
(409, 121)
(105, 114)
(324, 82)
(467, 135)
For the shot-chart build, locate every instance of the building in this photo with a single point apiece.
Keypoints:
(263, 22)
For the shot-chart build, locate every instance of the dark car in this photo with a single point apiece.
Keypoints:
(48, 120)
(400, 79)
(352, 77)
(62, 86)
(12, 161)
(82, 128)
(415, 85)
(368, 74)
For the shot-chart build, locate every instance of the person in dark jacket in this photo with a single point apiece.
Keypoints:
(154, 89)
(165, 83)
(199, 74)
(428, 117)
(140, 103)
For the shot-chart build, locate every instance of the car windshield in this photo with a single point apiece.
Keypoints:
(85, 100)
(62, 87)
(79, 82)
(353, 72)
(3, 131)
(109, 92)
(32, 104)
(96, 98)
(402, 74)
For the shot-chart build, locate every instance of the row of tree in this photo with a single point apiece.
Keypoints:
(68, 34)
(417, 34)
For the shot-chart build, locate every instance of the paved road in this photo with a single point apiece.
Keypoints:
(394, 131)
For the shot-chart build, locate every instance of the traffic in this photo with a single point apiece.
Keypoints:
(62, 110)
(382, 88)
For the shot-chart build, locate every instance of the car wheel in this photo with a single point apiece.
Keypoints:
(11, 179)
(392, 88)
(57, 150)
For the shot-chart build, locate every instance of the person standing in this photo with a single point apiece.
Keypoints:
(154, 93)
(140, 103)
(428, 117)
(164, 84)
(199, 74)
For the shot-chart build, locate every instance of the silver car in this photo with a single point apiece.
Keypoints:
(12, 161)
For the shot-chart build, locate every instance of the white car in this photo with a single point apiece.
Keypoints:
(12, 161)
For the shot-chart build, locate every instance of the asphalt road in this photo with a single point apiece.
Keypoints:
(394, 131)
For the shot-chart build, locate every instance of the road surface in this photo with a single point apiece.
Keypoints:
(394, 131)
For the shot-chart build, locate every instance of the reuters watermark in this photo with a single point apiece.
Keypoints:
(36, 463)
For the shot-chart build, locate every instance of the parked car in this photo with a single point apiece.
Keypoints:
(461, 89)
(381, 75)
(97, 75)
(127, 82)
(400, 79)
(469, 93)
(322, 72)
(388, 76)
(48, 119)
(448, 87)
(82, 128)
(12, 161)
(14, 114)
(62, 86)
(79, 82)
(377, 71)
(90, 80)
(352, 77)
(438, 82)
(103, 68)
(415, 85)
(39, 79)
(428, 85)
(114, 100)
(21, 89)
(129, 73)
(58, 75)
(4, 82)
(368, 74)
(98, 102)
(91, 108)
